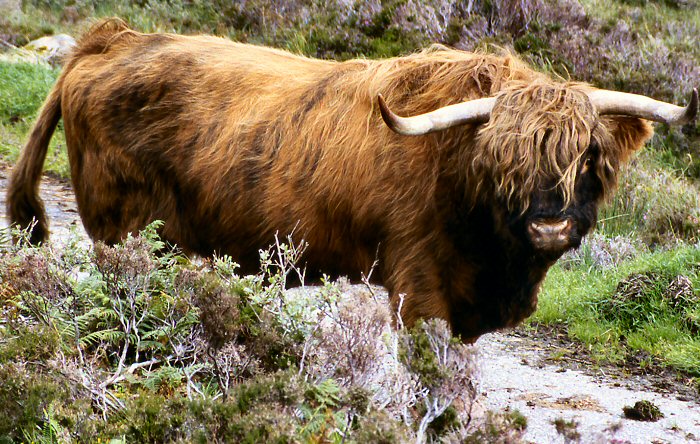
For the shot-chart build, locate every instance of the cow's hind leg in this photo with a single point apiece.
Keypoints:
(116, 196)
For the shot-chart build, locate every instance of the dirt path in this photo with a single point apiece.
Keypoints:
(515, 371)
(515, 374)
(59, 201)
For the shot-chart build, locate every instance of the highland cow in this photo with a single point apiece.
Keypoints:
(465, 204)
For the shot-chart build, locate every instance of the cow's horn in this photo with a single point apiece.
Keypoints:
(613, 102)
(473, 111)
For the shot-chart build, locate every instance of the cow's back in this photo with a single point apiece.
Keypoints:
(227, 143)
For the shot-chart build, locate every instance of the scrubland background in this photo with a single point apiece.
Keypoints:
(118, 343)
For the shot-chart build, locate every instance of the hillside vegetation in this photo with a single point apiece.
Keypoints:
(131, 344)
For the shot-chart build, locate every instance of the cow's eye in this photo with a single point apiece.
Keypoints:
(587, 164)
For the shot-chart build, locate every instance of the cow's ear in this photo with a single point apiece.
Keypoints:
(629, 133)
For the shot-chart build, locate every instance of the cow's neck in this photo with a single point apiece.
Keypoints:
(506, 274)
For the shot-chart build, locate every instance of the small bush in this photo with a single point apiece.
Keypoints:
(567, 429)
(507, 427)
(644, 298)
(31, 343)
(25, 394)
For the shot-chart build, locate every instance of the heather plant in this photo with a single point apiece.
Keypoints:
(444, 369)
(507, 427)
(136, 342)
(349, 329)
(568, 430)
(598, 251)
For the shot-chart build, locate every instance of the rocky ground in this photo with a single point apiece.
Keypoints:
(58, 197)
(517, 373)
(536, 372)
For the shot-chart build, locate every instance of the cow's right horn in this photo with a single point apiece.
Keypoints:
(473, 111)
(613, 102)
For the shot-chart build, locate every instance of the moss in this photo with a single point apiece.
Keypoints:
(445, 422)
(378, 427)
(25, 394)
(35, 343)
(643, 411)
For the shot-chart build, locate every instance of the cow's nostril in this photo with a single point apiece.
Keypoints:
(551, 236)
(551, 229)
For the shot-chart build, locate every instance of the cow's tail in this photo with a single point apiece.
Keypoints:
(24, 206)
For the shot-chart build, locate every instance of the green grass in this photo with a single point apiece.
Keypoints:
(654, 202)
(23, 88)
(616, 313)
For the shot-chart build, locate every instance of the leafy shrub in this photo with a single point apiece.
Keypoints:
(136, 342)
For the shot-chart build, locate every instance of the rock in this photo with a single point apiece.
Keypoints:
(50, 50)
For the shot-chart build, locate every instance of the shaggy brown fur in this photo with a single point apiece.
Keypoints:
(231, 143)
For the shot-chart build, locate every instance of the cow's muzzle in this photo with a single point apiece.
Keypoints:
(551, 235)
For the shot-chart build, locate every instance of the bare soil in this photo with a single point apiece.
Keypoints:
(538, 371)
(59, 202)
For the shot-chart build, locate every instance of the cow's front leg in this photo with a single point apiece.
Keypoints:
(417, 291)
(429, 288)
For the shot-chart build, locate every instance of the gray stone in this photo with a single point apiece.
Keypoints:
(49, 49)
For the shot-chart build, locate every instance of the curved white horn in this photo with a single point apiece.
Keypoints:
(473, 111)
(613, 102)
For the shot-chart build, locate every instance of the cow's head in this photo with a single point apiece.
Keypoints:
(545, 154)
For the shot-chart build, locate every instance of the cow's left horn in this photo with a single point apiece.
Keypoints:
(613, 102)
(473, 111)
